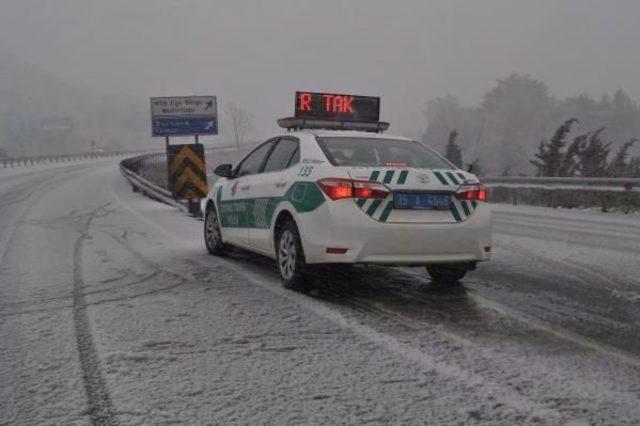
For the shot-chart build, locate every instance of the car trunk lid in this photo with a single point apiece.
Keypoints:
(402, 181)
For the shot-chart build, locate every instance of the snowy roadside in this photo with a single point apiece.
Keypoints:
(38, 168)
(631, 218)
(479, 347)
(110, 303)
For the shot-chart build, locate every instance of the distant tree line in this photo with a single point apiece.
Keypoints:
(503, 133)
(587, 155)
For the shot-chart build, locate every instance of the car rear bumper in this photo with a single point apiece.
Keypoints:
(369, 241)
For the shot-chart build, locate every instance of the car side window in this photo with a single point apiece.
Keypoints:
(281, 155)
(295, 158)
(252, 162)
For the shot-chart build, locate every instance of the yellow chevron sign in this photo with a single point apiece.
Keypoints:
(187, 171)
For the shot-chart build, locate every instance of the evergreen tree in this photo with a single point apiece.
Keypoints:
(507, 124)
(476, 168)
(550, 156)
(453, 152)
(569, 164)
(592, 157)
(506, 171)
(634, 168)
(618, 166)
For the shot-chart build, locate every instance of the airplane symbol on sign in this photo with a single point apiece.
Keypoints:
(209, 105)
(209, 125)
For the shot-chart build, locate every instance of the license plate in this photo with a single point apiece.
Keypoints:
(421, 201)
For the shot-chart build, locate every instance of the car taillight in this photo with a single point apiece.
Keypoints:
(369, 189)
(338, 188)
(472, 192)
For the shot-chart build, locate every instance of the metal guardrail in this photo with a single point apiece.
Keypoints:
(131, 166)
(133, 169)
(596, 184)
(6, 162)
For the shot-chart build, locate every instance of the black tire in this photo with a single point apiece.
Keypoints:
(447, 274)
(212, 233)
(290, 257)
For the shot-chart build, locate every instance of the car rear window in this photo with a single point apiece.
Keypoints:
(378, 152)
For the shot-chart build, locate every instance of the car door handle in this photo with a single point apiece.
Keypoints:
(281, 184)
(245, 188)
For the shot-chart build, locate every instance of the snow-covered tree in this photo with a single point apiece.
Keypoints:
(452, 150)
(619, 166)
(569, 164)
(592, 156)
(550, 154)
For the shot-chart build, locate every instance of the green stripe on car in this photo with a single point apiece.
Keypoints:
(372, 208)
(374, 175)
(388, 176)
(386, 212)
(465, 207)
(403, 177)
(258, 212)
(441, 178)
(453, 178)
(455, 213)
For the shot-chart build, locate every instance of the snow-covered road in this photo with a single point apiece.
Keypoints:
(111, 312)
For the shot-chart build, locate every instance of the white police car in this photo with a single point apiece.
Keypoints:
(318, 195)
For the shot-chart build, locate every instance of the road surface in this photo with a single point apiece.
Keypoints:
(111, 312)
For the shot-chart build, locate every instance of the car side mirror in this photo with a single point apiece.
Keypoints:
(224, 170)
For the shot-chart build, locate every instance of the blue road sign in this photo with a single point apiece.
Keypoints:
(184, 116)
(185, 126)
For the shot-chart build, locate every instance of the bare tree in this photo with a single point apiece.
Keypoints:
(240, 121)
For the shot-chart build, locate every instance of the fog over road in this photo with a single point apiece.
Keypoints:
(112, 312)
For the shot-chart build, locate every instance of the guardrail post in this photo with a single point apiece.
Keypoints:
(194, 208)
(604, 202)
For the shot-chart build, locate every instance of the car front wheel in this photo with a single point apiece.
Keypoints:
(212, 233)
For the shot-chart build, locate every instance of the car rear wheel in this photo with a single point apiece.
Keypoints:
(447, 274)
(212, 233)
(290, 257)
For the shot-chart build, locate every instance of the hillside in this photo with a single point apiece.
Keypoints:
(41, 114)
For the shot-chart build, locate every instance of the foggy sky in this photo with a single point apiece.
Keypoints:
(258, 53)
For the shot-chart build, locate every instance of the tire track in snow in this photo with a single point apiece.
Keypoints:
(100, 405)
(392, 344)
(469, 379)
(23, 206)
(546, 327)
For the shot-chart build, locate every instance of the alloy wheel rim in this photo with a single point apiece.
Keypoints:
(287, 255)
(212, 229)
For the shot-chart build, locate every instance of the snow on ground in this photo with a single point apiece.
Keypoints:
(604, 244)
(594, 213)
(6, 172)
(110, 309)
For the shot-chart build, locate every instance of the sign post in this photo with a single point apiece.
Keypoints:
(185, 116)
